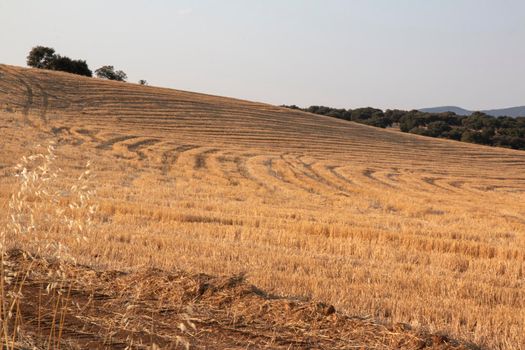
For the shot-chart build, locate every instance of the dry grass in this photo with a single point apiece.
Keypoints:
(43, 213)
(152, 309)
(397, 227)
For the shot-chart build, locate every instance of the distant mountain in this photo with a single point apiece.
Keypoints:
(509, 112)
(457, 110)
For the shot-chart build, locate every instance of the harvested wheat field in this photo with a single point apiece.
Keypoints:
(412, 236)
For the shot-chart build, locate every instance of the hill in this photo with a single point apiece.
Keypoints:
(391, 226)
(443, 109)
(508, 112)
(511, 112)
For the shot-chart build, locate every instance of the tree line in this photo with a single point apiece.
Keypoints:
(477, 128)
(46, 58)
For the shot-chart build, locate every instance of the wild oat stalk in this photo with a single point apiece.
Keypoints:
(43, 212)
(44, 208)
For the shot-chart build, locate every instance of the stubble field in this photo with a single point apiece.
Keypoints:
(381, 224)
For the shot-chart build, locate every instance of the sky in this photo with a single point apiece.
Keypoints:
(340, 53)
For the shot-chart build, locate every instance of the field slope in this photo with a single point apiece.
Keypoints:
(379, 223)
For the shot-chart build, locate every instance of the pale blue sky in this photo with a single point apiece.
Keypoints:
(341, 53)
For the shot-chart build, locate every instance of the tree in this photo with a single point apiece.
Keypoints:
(475, 137)
(394, 115)
(45, 58)
(478, 120)
(454, 134)
(291, 107)
(108, 72)
(66, 64)
(378, 121)
(361, 114)
(411, 120)
(477, 128)
(438, 128)
(40, 57)
(143, 82)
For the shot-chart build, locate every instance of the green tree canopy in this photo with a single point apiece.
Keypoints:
(45, 58)
(66, 64)
(40, 57)
(108, 72)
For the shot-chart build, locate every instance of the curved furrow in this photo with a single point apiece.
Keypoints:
(369, 174)
(433, 182)
(327, 170)
(217, 172)
(109, 143)
(259, 167)
(333, 170)
(393, 175)
(48, 99)
(201, 158)
(484, 187)
(227, 166)
(241, 163)
(86, 134)
(313, 174)
(169, 157)
(45, 101)
(457, 183)
(458, 186)
(387, 176)
(267, 172)
(26, 108)
(235, 170)
(298, 175)
(139, 146)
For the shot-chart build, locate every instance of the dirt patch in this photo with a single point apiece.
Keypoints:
(100, 309)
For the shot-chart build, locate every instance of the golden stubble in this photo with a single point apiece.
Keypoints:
(379, 223)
